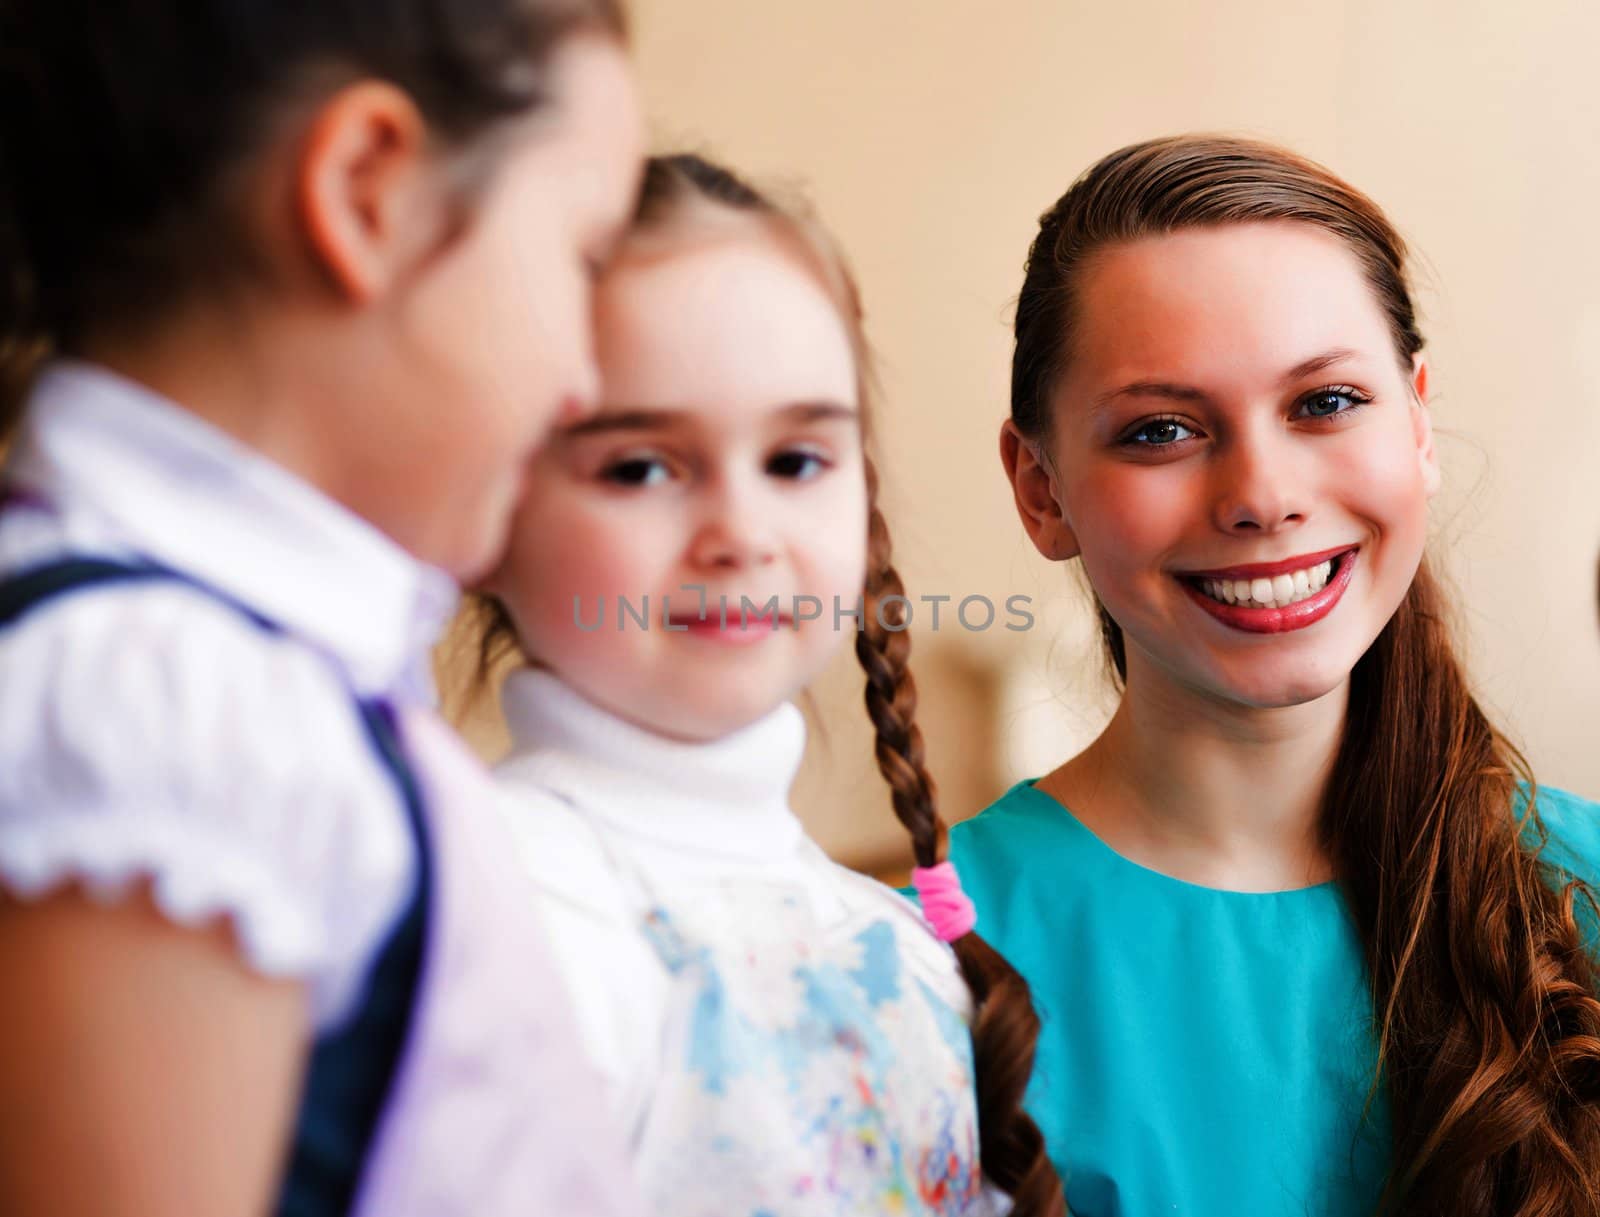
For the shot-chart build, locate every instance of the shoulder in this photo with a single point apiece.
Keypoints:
(865, 894)
(148, 732)
(564, 853)
(156, 694)
(891, 917)
(1573, 827)
(585, 883)
(1015, 821)
(593, 919)
(1008, 839)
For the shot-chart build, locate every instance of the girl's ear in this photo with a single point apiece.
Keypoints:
(364, 192)
(1037, 495)
(1422, 425)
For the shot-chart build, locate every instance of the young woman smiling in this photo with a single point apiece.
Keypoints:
(1302, 935)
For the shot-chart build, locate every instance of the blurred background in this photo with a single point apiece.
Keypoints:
(931, 134)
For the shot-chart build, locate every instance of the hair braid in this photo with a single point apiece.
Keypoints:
(1005, 1027)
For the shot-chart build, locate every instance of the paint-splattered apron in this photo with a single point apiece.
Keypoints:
(810, 1068)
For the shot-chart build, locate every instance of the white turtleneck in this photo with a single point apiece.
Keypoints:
(616, 820)
(728, 798)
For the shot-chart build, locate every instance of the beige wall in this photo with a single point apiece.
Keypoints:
(932, 136)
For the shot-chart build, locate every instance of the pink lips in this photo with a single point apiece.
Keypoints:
(734, 633)
(1266, 570)
(1263, 620)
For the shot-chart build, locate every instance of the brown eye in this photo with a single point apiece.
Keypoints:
(796, 464)
(636, 471)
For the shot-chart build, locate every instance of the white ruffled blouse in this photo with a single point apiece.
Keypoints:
(147, 732)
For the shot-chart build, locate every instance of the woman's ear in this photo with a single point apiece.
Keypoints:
(1037, 495)
(365, 192)
(1422, 425)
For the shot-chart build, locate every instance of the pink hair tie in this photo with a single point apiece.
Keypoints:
(948, 909)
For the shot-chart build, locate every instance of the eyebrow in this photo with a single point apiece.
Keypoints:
(1174, 391)
(639, 419)
(1317, 362)
(819, 411)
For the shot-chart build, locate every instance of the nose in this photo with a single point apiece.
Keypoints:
(1259, 487)
(735, 530)
(582, 397)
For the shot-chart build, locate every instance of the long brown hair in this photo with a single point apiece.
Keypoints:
(1485, 1002)
(1004, 1025)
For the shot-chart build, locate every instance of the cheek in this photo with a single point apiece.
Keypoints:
(1379, 479)
(1124, 515)
(546, 564)
(843, 562)
(533, 339)
(505, 321)
(846, 567)
(553, 339)
(459, 355)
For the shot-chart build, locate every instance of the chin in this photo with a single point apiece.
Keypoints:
(697, 728)
(1277, 689)
(478, 556)
(735, 716)
(471, 567)
(724, 717)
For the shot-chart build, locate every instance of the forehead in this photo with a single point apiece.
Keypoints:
(1215, 303)
(725, 323)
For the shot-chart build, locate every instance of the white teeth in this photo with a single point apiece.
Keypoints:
(1280, 591)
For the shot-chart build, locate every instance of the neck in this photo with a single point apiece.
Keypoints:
(274, 382)
(726, 796)
(1209, 791)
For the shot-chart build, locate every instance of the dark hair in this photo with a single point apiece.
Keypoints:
(1004, 1025)
(121, 121)
(1485, 1001)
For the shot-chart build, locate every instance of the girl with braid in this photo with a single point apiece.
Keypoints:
(1304, 936)
(779, 1035)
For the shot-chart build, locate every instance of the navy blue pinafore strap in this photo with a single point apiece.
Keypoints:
(352, 1068)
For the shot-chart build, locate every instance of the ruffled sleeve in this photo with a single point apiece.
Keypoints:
(151, 735)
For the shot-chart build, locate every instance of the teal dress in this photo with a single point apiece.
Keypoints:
(1203, 1052)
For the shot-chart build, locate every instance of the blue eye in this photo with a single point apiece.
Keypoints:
(636, 471)
(1335, 399)
(1159, 433)
(796, 464)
